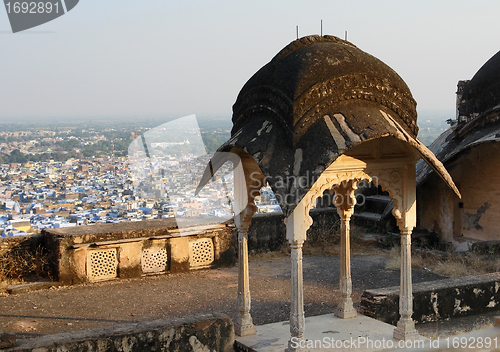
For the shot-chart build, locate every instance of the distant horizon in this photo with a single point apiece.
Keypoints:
(432, 114)
(439, 114)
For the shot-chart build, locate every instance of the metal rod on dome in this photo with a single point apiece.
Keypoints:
(297, 32)
(321, 27)
(345, 36)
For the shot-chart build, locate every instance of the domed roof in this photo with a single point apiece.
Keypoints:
(482, 92)
(480, 104)
(313, 73)
(315, 100)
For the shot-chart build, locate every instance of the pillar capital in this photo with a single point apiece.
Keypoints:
(297, 224)
(344, 199)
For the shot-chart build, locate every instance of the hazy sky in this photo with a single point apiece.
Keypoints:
(175, 58)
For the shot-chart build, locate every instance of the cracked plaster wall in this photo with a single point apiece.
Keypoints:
(477, 215)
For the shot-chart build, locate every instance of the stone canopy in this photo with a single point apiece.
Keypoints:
(315, 100)
(321, 116)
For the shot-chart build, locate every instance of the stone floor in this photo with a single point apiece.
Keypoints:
(327, 333)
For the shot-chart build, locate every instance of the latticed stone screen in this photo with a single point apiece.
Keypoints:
(201, 252)
(102, 264)
(154, 260)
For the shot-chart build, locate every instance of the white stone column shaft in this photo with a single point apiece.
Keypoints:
(345, 308)
(297, 317)
(345, 201)
(296, 227)
(244, 324)
(405, 329)
(244, 209)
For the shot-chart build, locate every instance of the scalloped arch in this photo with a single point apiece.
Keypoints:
(390, 180)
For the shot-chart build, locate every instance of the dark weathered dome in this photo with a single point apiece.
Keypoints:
(482, 92)
(312, 74)
(480, 105)
(315, 100)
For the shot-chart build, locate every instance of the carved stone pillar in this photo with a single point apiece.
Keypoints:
(405, 329)
(345, 201)
(406, 214)
(296, 226)
(297, 317)
(243, 325)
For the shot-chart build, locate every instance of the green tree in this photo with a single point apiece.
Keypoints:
(17, 157)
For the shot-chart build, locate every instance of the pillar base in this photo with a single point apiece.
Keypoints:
(406, 331)
(244, 330)
(345, 310)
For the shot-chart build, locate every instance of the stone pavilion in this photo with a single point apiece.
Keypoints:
(323, 115)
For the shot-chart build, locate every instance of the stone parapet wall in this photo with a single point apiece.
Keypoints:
(326, 224)
(436, 300)
(268, 231)
(208, 332)
(131, 249)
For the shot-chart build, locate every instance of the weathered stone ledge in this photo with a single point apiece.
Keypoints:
(124, 250)
(436, 300)
(208, 332)
(131, 249)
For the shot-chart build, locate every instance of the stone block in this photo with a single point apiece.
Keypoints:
(7, 340)
(436, 300)
(208, 332)
(179, 254)
(129, 259)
